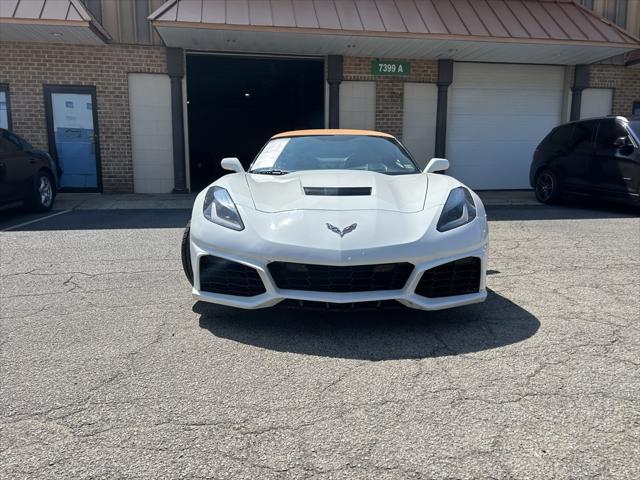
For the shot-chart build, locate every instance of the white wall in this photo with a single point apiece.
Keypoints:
(358, 105)
(596, 102)
(419, 120)
(151, 132)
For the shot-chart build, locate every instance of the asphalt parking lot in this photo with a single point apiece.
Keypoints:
(108, 368)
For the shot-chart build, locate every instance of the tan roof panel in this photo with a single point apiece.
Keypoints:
(37, 20)
(56, 9)
(283, 14)
(369, 16)
(45, 10)
(410, 16)
(542, 16)
(331, 131)
(305, 13)
(30, 9)
(521, 20)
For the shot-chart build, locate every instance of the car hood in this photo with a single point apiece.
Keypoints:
(329, 190)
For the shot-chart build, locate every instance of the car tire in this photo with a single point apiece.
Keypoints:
(546, 187)
(43, 193)
(186, 253)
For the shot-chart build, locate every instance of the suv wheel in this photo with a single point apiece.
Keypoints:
(186, 253)
(43, 193)
(546, 187)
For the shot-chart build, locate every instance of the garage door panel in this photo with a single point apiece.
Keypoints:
(497, 116)
(493, 155)
(512, 77)
(503, 102)
(496, 165)
(509, 128)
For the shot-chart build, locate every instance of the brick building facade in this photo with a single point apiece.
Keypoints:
(28, 67)
(435, 111)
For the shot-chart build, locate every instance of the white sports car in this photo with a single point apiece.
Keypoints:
(338, 217)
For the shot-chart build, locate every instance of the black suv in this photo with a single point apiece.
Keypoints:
(596, 156)
(26, 175)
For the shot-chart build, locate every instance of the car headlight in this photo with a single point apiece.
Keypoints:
(458, 210)
(219, 208)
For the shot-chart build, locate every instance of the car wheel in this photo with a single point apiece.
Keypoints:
(43, 194)
(186, 253)
(546, 187)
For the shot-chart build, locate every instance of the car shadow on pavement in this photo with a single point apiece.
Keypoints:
(384, 334)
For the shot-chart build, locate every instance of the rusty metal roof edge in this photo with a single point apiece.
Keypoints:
(629, 40)
(399, 35)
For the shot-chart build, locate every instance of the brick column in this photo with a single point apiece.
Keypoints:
(389, 105)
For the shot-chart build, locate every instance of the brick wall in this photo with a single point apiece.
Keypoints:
(625, 83)
(389, 89)
(26, 67)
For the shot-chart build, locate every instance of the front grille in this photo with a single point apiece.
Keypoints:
(325, 278)
(455, 278)
(218, 275)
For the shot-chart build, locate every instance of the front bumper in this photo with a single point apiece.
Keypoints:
(257, 255)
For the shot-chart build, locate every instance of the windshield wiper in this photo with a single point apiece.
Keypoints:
(270, 172)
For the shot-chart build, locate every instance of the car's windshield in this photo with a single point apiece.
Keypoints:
(634, 125)
(331, 152)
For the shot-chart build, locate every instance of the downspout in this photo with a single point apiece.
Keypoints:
(175, 69)
(445, 79)
(580, 82)
(334, 77)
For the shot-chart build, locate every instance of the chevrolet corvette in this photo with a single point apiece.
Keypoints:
(337, 217)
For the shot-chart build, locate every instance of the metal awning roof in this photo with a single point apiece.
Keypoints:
(531, 31)
(49, 21)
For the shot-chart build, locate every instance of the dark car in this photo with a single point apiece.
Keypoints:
(27, 175)
(596, 156)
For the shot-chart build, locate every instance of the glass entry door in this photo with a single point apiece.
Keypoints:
(73, 136)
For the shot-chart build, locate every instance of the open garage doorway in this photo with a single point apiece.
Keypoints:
(235, 103)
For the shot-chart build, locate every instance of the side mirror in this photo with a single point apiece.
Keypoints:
(437, 165)
(232, 164)
(622, 142)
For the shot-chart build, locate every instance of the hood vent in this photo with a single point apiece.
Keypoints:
(338, 191)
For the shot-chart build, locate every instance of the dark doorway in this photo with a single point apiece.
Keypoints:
(236, 103)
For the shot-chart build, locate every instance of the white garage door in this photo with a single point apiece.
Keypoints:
(497, 116)
(419, 120)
